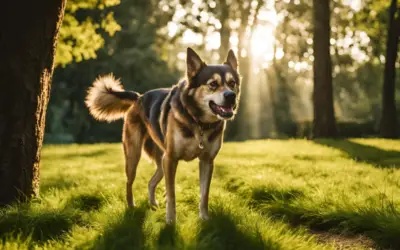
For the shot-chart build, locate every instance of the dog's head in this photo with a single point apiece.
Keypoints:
(215, 89)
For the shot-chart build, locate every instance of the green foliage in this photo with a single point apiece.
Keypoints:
(264, 195)
(131, 54)
(373, 19)
(80, 35)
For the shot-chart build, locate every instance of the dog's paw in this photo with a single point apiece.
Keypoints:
(170, 221)
(154, 205)
(204, 217)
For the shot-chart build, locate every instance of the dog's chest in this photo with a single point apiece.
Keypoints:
(188, 148)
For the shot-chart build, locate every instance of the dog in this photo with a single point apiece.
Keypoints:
(184, 122)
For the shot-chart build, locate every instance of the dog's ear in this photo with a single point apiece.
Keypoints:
(193, 63)
(231, 60)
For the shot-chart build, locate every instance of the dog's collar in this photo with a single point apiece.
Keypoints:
(201, 127)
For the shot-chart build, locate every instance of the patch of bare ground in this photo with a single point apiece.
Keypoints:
(345, 242)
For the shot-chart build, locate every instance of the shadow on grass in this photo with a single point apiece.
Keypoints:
(86, 202)
(222, 232)
(381, 224)
(383, 227)
(70, 156)
(262, 194)
(126, 232)
(91, 154)
(60, 182)
(169, 238)
(39, 225)
(364, 153)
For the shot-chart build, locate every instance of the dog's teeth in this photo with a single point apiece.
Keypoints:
(227, 109)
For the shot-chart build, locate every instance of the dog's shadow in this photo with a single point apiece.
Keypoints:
(221, 231)
(126, 233)
(169, 238)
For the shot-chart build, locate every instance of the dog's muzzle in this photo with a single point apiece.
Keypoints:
(226, 110)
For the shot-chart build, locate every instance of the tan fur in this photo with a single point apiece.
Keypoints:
(228, 77)
(216, 77)
(104, 106)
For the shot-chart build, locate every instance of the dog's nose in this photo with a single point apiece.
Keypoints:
(230, 97)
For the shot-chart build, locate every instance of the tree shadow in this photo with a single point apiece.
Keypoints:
(86, 202)
(364, 153)
(38, 225)
(261, 195)
(126, 233)
(95, 153)
(380, 225)
(60, 182)
(55, 155)
(221, 231)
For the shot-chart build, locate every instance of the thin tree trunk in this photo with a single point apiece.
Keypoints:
(238, 129)
(225, 31)
(324, 115)
(388, 124)
(27, 45)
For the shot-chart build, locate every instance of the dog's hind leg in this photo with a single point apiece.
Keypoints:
(154, 152)
(158, 175)
(133, 135)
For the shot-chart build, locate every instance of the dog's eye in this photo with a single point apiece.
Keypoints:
(232, 83)
(213, 85)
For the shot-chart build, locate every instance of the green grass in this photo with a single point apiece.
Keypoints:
(271, 194)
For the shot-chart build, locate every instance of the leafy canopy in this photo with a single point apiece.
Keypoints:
(85, 24)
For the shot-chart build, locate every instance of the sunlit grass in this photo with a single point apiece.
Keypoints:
(270, 194)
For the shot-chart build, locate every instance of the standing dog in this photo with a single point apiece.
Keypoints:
(184, 122)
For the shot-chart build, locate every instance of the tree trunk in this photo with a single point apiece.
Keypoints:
(242, 118)
(28, 38)
(238, 129)
(225, 31)
(388, 124)
(324, 115)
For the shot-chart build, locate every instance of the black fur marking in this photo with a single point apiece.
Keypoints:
(186, 132)
(127, 95)
(191, 104)
(167, 109)
(151, 103)
(149, 146)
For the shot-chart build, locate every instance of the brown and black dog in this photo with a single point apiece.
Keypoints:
(184, 122)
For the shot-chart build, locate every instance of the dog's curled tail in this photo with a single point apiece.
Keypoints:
(107, 100)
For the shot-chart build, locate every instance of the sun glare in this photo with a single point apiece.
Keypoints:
(262, 43)
(262, 39)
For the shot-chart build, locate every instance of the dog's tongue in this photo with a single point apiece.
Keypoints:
(226, 109)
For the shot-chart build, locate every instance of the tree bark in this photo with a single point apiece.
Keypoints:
(324, 115)
(388, 124)
(28, 36)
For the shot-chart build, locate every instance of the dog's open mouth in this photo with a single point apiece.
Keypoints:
(223, 111)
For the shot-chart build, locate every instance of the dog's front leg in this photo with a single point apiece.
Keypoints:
(169, 166)
(206, 170)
